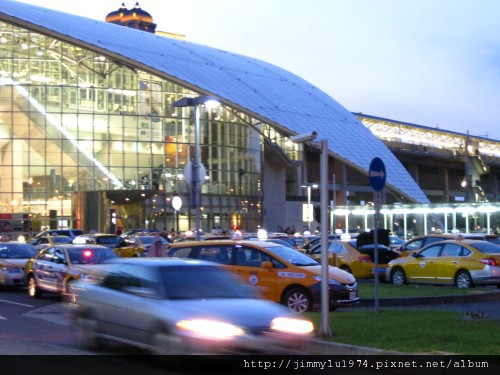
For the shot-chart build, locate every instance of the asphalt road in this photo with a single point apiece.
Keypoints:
(30, 328)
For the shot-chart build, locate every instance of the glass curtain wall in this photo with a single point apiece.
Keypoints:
(74, 121)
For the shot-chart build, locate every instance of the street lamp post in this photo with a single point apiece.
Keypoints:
(197, 168)
(325, 300)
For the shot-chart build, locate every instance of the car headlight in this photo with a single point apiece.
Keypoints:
(290, 325)
(210, 329)
(330, 281)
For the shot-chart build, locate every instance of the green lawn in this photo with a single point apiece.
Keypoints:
(413, 330)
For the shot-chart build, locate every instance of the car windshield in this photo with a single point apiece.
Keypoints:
(19, 251)
(292, 256)
(200, 282)
(90, 255)
(487, 247)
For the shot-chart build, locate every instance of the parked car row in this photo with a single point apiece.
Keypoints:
(463, 260)
(52, 261)
(463, 263)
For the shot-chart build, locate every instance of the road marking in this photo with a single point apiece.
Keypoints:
(15, 303)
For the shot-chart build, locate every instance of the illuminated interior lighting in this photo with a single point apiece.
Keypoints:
(54, 122)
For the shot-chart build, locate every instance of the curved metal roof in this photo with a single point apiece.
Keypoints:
(263, 90)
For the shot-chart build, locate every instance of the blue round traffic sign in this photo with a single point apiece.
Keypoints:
(377, 174)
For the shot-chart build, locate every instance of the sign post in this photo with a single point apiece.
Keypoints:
(377, 176)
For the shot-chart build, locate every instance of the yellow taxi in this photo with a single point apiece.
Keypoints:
(463, 263)
(278, 272)
(123, 247)
(418, 243)
(360, 261)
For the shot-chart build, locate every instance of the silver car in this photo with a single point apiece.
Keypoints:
(13, 258)
(173, 306)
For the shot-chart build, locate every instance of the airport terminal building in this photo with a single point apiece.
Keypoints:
(90, 137)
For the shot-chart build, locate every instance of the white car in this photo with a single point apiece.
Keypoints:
(182, 306)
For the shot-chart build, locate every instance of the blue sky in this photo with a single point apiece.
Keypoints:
(434, 63)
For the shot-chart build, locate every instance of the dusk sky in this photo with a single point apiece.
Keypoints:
(434, 63)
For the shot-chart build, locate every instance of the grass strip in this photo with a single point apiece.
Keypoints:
(414, 331)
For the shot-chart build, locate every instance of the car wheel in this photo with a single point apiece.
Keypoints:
(346, 269)
(463, 280)
(87, 331)
(297, 300)
(165, 343)
(398, 277)
(33, 289)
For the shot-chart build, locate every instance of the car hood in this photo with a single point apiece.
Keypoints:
(246, 312)
(334, 273)
(14, 262)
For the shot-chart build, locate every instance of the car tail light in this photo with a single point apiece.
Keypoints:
(365, 258)
(489, 261)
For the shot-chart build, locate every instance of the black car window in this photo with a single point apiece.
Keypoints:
(59, 256)
(119, 280)
(251, 257)
(431, 252)
(47, 255)
(451, 250)
(247, 256)
(16, 251)
(337, 248)
(180, 252)
(200, 282)
(486, 247)
(415, 244)
(219, 254)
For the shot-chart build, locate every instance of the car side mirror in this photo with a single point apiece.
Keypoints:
(267, 265)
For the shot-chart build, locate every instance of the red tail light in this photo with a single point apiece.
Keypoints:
(365, 258)
(489, 262)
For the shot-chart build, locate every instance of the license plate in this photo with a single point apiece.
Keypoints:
(352, 295)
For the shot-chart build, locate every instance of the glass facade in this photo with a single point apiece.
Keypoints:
(84, 135)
